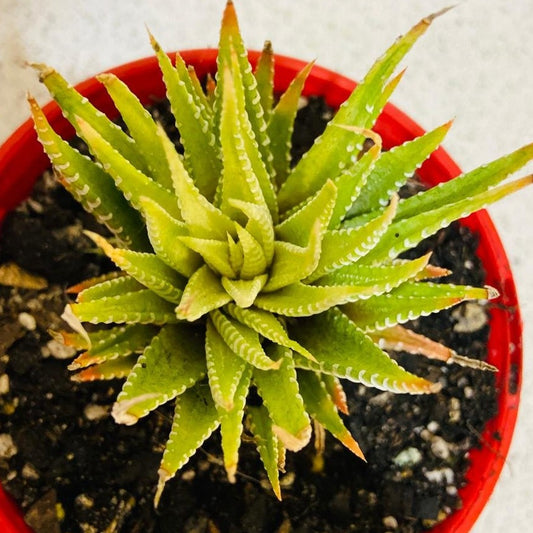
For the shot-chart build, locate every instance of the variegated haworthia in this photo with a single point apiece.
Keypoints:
(238, 271)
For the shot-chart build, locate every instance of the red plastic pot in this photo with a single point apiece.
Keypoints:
(22, 161)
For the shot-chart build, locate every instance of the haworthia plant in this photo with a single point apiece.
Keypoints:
(240, 273)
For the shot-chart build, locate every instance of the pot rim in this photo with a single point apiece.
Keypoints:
(395, 127)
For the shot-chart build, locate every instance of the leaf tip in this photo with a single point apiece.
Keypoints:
(164, 476)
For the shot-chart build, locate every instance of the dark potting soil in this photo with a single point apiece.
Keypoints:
(72, 469)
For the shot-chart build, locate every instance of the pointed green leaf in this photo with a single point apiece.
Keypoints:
(215, 253)
(202, 294)
(140, 307)
(350, 183)
(409, 301)
(224, 368)
(114, 369)
(264, 75)
(267, 325)
(202, 218)
(231, 425)
(343, 350)
(469, 184)
(259, 225)
(254, 262)
(164, 232)
(197, 89)
(119, 341)
(110, 287)
(244, 291)
(200, 151)
(336, 392)
(231, 44)
(347, 245)
(267, 444)
(298, 226)
(243, 341)
(299, 299)
(293, 263)
(132, 182)
(141, 127)
(74, 105)
(381, 278)
(407, 233)
(394, 167)
(90, 185)
(195, 418)
(281, 124)
(244, 175)
(173, 362)
(320, 406)
(336, 146)
(146, 268)
(280, 394)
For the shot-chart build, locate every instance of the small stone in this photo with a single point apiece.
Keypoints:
(440, 475)
(381, 399)
(95, 412)
(42, 515)
(188, 475)
(468, 392)
(287, 481)
(454, 410)
(451, 490)
(29, 472)
(433, 426)
(27, 321)
(470, 317)
(60, 351)
(408, 457)
(85, 501)
(390, 522)
(7, 447)
(440, 448)
(4, 384)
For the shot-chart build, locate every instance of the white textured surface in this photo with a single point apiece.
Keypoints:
(475, 64)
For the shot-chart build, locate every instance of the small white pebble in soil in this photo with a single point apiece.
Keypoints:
(440, 475)
(188, 475)
(440, 448)
(27, 321)
(29, 472)
(451, 490)
(454, 410)
(390, 522)
(4, 384)
(468, 392)
(381, 399)
(7, 447)
(95, 412)
(433, 426)
(426, 434)
(59, 350)
(470, 317)
(84, 501)
(408, 457)
(287, 481)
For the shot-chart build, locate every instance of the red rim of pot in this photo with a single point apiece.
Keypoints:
(22, 161)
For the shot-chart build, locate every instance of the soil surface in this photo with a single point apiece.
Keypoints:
(72, 469)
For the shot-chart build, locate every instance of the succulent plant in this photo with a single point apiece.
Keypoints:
(238, 273)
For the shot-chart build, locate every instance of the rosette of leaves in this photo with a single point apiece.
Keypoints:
(238, 273)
